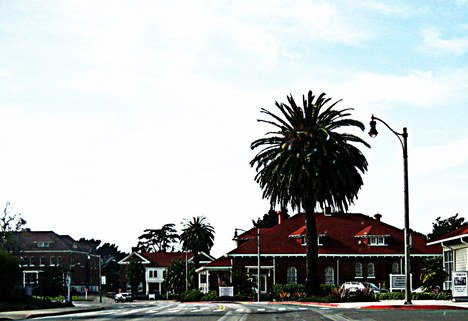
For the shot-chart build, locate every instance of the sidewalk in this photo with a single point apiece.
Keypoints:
(80, 306)
(390, 305)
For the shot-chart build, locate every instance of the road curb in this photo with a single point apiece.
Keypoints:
(412, 307)
(53, 313)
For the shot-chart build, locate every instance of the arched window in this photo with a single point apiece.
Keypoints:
(358, 270)
(329, 275)
(395, 268)
(370, 270)
(292, 275)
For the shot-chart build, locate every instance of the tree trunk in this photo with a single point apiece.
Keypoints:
(312, 284)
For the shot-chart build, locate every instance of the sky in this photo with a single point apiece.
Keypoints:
(119, 116)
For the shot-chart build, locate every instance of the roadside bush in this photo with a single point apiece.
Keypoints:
(191, 295)
(415, 296)
(210, 296)
(288, 291)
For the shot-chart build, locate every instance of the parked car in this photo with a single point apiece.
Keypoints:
(123, 297)
(354, 286)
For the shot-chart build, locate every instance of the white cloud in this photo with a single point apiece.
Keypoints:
(418, 88)
(433, 41)
(441, 157)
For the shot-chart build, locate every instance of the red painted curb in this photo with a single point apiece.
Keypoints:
(412, 307)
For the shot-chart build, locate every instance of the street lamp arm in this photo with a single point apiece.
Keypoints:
(397, 134)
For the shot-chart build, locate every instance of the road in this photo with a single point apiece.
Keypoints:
(173, 311)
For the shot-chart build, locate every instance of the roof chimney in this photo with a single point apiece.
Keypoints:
(281, 217)
(378, 217)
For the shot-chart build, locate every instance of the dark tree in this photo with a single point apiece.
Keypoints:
(10, 277)
(10, 227)
(51, 282)
(433, 274)
(308, 159)
(157, 240)
(92, 244)
(441, 227)
(269, 219)
(197, 236)
(175, 276)
(110, 256)
(134, 273)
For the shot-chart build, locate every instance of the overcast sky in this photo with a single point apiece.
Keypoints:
(117, 116)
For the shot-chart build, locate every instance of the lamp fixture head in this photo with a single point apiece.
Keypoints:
(373, 131)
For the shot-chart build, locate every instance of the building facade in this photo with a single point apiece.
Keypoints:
(43, 249)
(455, 252)
(351, 247)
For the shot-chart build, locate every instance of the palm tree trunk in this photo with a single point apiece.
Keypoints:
(312, 284)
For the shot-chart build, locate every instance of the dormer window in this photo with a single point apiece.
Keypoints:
(43, 244)
(377, 240)
(320, 240)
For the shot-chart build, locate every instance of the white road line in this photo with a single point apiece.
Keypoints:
(260, 309)
(240, 310)
(303, 309)
(281, 309)
(219, 310)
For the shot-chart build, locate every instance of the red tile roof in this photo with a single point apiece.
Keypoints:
(164, 259)
(340, 230)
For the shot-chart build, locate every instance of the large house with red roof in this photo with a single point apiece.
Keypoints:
(455, 252)
(155, 265)
(351, 247)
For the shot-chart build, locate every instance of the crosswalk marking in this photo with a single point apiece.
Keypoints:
(240, 310)
(260, 309)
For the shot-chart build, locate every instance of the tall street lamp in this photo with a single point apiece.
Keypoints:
(404, 144)
(258, 258)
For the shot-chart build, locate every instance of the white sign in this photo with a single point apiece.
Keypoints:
(226, 291)
(103, 280)
(397, 282)
(459, 284)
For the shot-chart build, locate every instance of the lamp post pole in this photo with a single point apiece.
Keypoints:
(259, 282)
(100, 279)
(404, 144)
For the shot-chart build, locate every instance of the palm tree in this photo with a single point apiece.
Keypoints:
(308, 160)
(197, 236)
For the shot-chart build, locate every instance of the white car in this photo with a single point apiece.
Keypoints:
(353, 286)
(123, 297)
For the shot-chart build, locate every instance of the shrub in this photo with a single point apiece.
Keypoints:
(288, 291)
(210, 296)
(191, 295)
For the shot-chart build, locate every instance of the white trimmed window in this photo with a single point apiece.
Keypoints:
(52, 261)
(329, 275)
(448, 268)
(42, 261)
(358, 270)
(377, 241)
(292, 275)
(59, 260)
(43, 244)
(371, 270)
(395, 268)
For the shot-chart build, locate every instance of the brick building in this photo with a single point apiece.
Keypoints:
(351, 247)
(41, 249)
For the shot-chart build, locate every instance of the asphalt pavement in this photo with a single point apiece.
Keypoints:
(90, 306)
